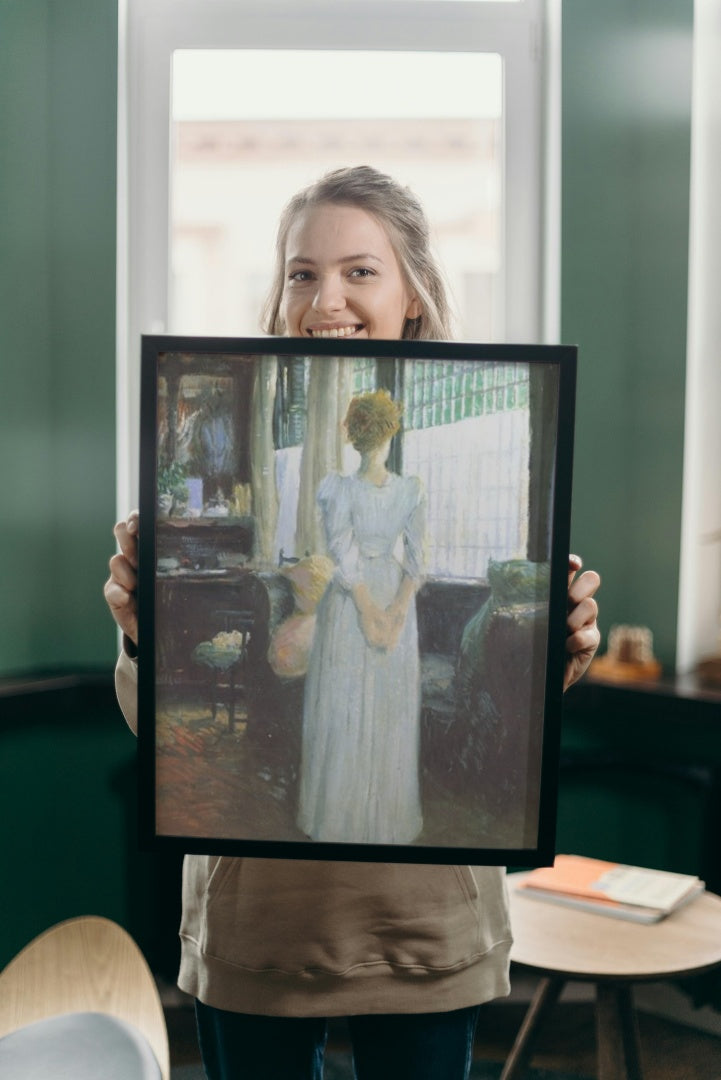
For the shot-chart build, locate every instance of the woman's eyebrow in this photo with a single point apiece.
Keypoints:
(363, 256)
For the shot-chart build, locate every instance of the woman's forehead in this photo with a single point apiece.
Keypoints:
(336, 231)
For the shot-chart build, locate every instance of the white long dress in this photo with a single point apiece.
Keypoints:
(361, 719)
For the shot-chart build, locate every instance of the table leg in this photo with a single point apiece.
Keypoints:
(545, 997)
(617, 1033)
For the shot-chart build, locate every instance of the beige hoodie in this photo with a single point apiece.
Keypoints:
(300, 938)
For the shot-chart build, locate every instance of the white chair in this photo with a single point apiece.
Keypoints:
(80, 1002)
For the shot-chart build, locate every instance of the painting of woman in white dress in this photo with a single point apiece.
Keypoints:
(359, 776)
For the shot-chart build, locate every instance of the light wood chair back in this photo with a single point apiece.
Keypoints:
(87, 964)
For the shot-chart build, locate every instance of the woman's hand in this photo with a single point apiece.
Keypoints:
(121, 587)
(583, 635)
(398, 610)
(395, 621)
(375, 625)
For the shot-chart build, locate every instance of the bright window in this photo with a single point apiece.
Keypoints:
(236, 159)
(448, 95)
(490, 402)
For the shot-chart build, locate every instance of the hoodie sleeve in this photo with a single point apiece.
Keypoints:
(126, 688)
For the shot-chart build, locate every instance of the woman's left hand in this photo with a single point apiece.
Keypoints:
(583, 635)
(396, 618)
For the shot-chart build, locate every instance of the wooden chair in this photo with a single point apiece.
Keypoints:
(83, 973)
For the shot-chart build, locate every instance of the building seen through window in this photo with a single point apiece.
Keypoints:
(231, 175)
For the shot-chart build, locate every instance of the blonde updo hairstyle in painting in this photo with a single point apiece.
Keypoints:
(372, 419)
(401, 214)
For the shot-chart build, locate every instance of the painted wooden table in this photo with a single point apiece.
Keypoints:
(563, 944)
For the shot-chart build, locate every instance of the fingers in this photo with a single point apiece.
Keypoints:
(120, 601)
(121, 586)
(582, 607)
(582, 613)
(583, 636)
(372, 626)
(582, 587)
(123, 607)
(380, 630)
(126, 534)
(123, 572)
(575, 562)
(584, 641)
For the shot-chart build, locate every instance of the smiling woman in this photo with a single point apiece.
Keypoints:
(336, 294)
(353, 259)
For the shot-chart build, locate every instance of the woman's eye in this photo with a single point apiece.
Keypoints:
(300, 276)
(362, 272)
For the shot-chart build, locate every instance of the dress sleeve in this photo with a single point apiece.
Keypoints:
(333, 498)
(414, 532)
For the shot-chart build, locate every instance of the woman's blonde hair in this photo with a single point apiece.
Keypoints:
(403, 217)
(372, 419)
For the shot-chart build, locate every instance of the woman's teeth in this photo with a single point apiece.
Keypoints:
(336, 332)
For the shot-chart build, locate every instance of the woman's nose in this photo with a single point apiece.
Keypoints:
(329, 296)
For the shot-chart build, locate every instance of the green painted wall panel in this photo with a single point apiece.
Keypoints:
(82, 204)
(626, 128)
(70, 849)
(626, 145)
(25, 392)
(68, 785)
(58, 76)
(641, 780)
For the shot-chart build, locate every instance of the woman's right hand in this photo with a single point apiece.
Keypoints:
(374, 622)
(121, 587)
(376, 628)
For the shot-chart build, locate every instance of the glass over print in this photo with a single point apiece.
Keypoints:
(352, 597)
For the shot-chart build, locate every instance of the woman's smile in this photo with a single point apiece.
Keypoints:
(335, 331)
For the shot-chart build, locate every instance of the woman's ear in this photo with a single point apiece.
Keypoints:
(415, 309)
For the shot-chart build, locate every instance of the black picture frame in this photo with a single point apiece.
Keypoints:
(237, 601)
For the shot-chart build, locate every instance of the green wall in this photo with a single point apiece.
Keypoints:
(626, 145)
(626, 132)
(67, 761)
(69, 804)
(58, 72)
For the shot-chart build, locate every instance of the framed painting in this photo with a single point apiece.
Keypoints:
(352, 597)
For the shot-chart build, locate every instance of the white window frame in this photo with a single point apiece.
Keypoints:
(526, 34)
(699, 596)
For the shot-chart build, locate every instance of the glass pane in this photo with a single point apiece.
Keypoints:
(462, 1)
(250, 128)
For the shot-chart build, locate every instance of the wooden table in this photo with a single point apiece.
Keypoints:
(563, 944)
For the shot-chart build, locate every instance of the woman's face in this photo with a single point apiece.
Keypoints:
(342, 277)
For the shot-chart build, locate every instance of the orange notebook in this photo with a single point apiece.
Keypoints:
(631, 892)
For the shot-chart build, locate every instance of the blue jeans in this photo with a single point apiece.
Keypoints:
(414, 1046)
